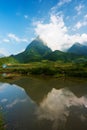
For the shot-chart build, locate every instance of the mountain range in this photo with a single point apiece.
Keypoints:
(38, 50)
(78, 48)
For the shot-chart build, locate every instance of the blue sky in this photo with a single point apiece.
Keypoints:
(60, 23)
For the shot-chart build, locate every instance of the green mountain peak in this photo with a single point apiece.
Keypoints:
(35, 51)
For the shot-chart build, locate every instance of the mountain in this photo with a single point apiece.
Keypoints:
(78, 48)
(62, 56)
(55, 55)
(35, 51)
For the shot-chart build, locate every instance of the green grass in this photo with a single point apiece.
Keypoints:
(8, 60)
(1, 123)
(45, 67)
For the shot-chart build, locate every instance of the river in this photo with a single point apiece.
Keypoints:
(43, 103)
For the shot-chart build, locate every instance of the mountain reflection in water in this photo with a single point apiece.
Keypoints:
(26, 108)
(58, 105)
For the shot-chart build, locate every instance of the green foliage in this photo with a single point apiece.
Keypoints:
(46, 67)
(64, 57)
(39, 59)
(37, 51)
(1, 123)
(34, 52)
(7, 60)
(38, 46)
(50, 68)
(79, 49)
(43, 70)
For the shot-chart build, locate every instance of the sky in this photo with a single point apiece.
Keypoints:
(60, 23)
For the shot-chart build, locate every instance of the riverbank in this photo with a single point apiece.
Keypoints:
(1, 123)
(53, 69)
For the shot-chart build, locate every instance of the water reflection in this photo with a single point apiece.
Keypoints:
(58, 107)
(11, 95)
(44, 108)
(17, 106)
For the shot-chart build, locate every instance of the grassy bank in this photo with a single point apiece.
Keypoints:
(1, 123)
(56, 69)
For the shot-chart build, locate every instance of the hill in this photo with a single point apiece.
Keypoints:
(8, 60)
(64, 56)
(35, 51)
(78, 48)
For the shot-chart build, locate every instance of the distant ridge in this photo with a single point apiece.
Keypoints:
(78, 48)
(38, 50)
(62, 56)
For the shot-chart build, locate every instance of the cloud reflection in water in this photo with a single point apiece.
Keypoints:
(57, 104)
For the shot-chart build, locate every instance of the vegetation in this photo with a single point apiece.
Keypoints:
(34, 52)
(79, 49)
(64, 56)
(37, 51)
(45, 67)
(39, 59)
(1, 123)
(7, 60)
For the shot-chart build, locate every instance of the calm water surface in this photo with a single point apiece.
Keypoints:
(44, 104)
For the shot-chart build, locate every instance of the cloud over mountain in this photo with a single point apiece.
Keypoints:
(56, 33)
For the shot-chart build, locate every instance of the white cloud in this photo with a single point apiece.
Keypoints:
(85, 17)
(6, 40)
(14, 37)
(56, 106)
(62, 2)
(4, 51)
(55, 33)
(52, 32)
(4, 100)
(26, 16)
(59, 4)
(81, 38)
(80, 24)
(79, 8)
(3, 86)
(17, 39)
(15, 102)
